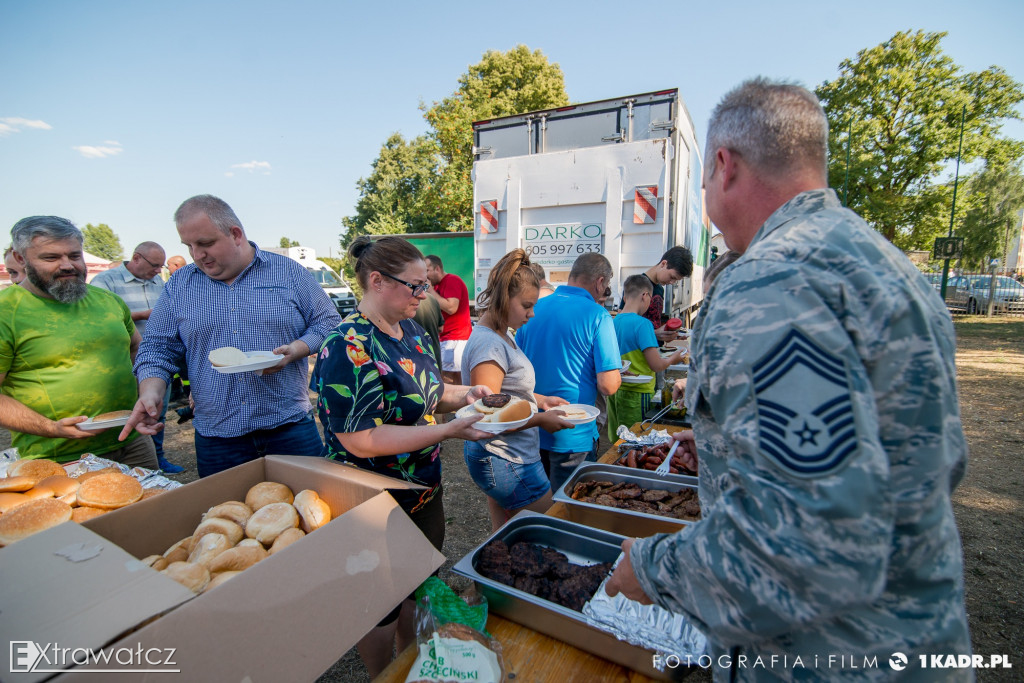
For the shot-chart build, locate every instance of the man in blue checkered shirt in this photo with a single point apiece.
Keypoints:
(234, 294)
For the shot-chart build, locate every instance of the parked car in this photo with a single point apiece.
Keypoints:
(969, 293)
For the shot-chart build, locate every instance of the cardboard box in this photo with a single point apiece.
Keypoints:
(290, 617)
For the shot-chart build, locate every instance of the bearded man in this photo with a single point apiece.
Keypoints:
(66, 351)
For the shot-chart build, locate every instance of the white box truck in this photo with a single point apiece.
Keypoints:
(621, 177)
(334, 285)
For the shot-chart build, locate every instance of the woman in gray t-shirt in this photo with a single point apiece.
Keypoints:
(508, 467)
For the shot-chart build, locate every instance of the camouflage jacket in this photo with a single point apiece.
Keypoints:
(823, 393)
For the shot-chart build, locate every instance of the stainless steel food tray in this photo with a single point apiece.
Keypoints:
(616, 520)
(582, 545)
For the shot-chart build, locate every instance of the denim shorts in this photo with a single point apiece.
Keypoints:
(511, 485)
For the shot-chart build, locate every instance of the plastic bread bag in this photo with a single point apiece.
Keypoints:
(451, 638)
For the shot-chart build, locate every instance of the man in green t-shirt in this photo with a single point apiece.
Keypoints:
(66, 352)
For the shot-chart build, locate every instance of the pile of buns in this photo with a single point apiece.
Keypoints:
(235, 535)
(38, 494)
(502, 408)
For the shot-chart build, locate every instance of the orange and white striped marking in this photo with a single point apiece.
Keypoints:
(645, 204)
(489, 216)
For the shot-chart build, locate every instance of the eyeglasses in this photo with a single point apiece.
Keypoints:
(154, 265)
(416, 289)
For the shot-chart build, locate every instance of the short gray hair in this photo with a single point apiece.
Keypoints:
(50, 227)
(589, 267)
(214, 207)
(775, 126)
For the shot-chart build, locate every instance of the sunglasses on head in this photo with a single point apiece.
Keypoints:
(416, 289)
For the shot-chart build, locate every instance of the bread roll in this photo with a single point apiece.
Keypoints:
(83, 514)
(149, 493)
(208, 547)
(61, 484)
(492, 403)
(227, 355)
(250, 543)
(287, 537)
(267, 492)
(109, 491)
(229, 529)
(36, 469)
(221, 577)
(157, 562)
(236, 559)
(191, 576)
(178, 554)
(184, 544)
(267, 523)
(37, 492)
(86, 476)
(71, 499)
(315, 512)
(32, 517)
(11, 500)
(236, 511)
(516, 410)
(16, 484)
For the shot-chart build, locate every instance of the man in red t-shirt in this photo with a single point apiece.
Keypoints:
(452, 296)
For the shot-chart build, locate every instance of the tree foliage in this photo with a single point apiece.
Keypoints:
(423, 184)
(897, 109)
(994, 198)
(286, 243)
(100, 240)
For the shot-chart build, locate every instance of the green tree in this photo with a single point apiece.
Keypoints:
(993, 197)
(101, 241)
(285, 243)
(501, 84)
(898, 106)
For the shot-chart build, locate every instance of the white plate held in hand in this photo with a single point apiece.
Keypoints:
(493, 427)
(91, 426)
(591, 412)
(258, 360)
(636, 379)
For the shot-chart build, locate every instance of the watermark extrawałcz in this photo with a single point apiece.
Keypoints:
(27, 656)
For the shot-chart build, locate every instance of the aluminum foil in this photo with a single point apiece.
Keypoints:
(647, 626)
(150, 479)
(633, 440)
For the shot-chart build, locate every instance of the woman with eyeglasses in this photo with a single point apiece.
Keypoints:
(379, 386)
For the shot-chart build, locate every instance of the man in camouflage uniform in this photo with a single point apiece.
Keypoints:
(823, 394)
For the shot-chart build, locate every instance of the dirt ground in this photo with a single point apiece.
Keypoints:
(989, 504)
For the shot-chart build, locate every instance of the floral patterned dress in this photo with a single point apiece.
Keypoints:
(366, 378)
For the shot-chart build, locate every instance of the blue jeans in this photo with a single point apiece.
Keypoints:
(560, 465)
(215, 454)
(511, 485)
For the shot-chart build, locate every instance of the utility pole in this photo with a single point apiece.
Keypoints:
(952, 212)
(849, 142)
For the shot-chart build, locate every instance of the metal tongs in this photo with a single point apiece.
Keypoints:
(674, 405)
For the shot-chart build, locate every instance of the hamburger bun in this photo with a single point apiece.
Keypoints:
(84, 514)
(61, 484)
(32, 517)
(149, 493)
(112, 415)
(217, 525)
(492, 403)
(233, 510)
(37, 492)
(157, 562)
(35, 469)
(267, 492)
(267, 523)
(184, 544)
(208, 547)
(250, 543)
(86, 476)
(221, 577)
(287, 537)
(16, 484)
(226, 356)
(109, 491)
(517, 409)
(236, 559)
(315, 511)
(10, 500)
(191, 576)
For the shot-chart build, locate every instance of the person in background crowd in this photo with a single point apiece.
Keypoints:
(675, 264)
(66, 351)
(545, 287)
(138, 283)
(429, 317)
(571, 344)
(452, 296)
(14, 271)
(507, 467)
(826, 425)
(234, 294)
(174, 263)
(639, 346)
(717, 266)
(378, 387)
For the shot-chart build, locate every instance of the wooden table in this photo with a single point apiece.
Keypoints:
(533, 656)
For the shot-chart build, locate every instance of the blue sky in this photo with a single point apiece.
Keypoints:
(115, 112)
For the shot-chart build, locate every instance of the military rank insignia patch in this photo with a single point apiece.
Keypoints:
(805, 416)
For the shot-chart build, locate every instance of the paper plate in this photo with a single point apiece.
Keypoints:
(90, 426)
(591, 412)
(258, 360)
(625, 365)
(638, 379)
(493, 427)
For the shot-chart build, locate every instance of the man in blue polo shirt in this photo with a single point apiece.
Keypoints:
(571, 343)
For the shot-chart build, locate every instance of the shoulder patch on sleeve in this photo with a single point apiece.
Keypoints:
(804, 411)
